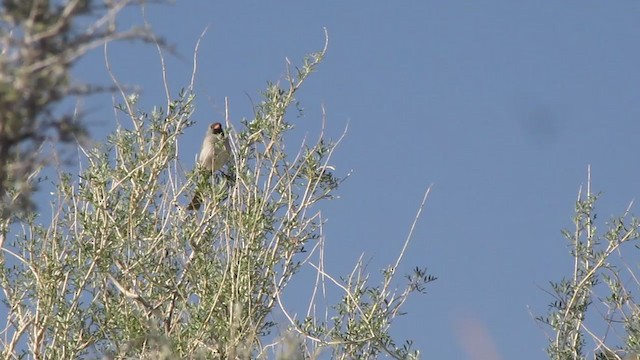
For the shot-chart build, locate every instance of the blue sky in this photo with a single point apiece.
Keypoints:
(501, 105)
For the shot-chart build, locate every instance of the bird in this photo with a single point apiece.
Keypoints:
(214, 154)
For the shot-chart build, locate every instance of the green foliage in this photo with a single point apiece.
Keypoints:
(125, 270)
(596, 270)
(365, 313)
(41, 40)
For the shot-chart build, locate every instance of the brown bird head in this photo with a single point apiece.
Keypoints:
(216, 128)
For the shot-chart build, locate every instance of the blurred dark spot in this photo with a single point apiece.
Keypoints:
(540, 123)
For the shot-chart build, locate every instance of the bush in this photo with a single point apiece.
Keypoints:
(597, 288)
(125, 271)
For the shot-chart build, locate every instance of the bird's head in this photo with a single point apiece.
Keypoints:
(216, 128)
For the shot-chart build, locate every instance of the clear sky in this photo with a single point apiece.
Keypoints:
(501, 105)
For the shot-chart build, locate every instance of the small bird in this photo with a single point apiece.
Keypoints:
(214, 154)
